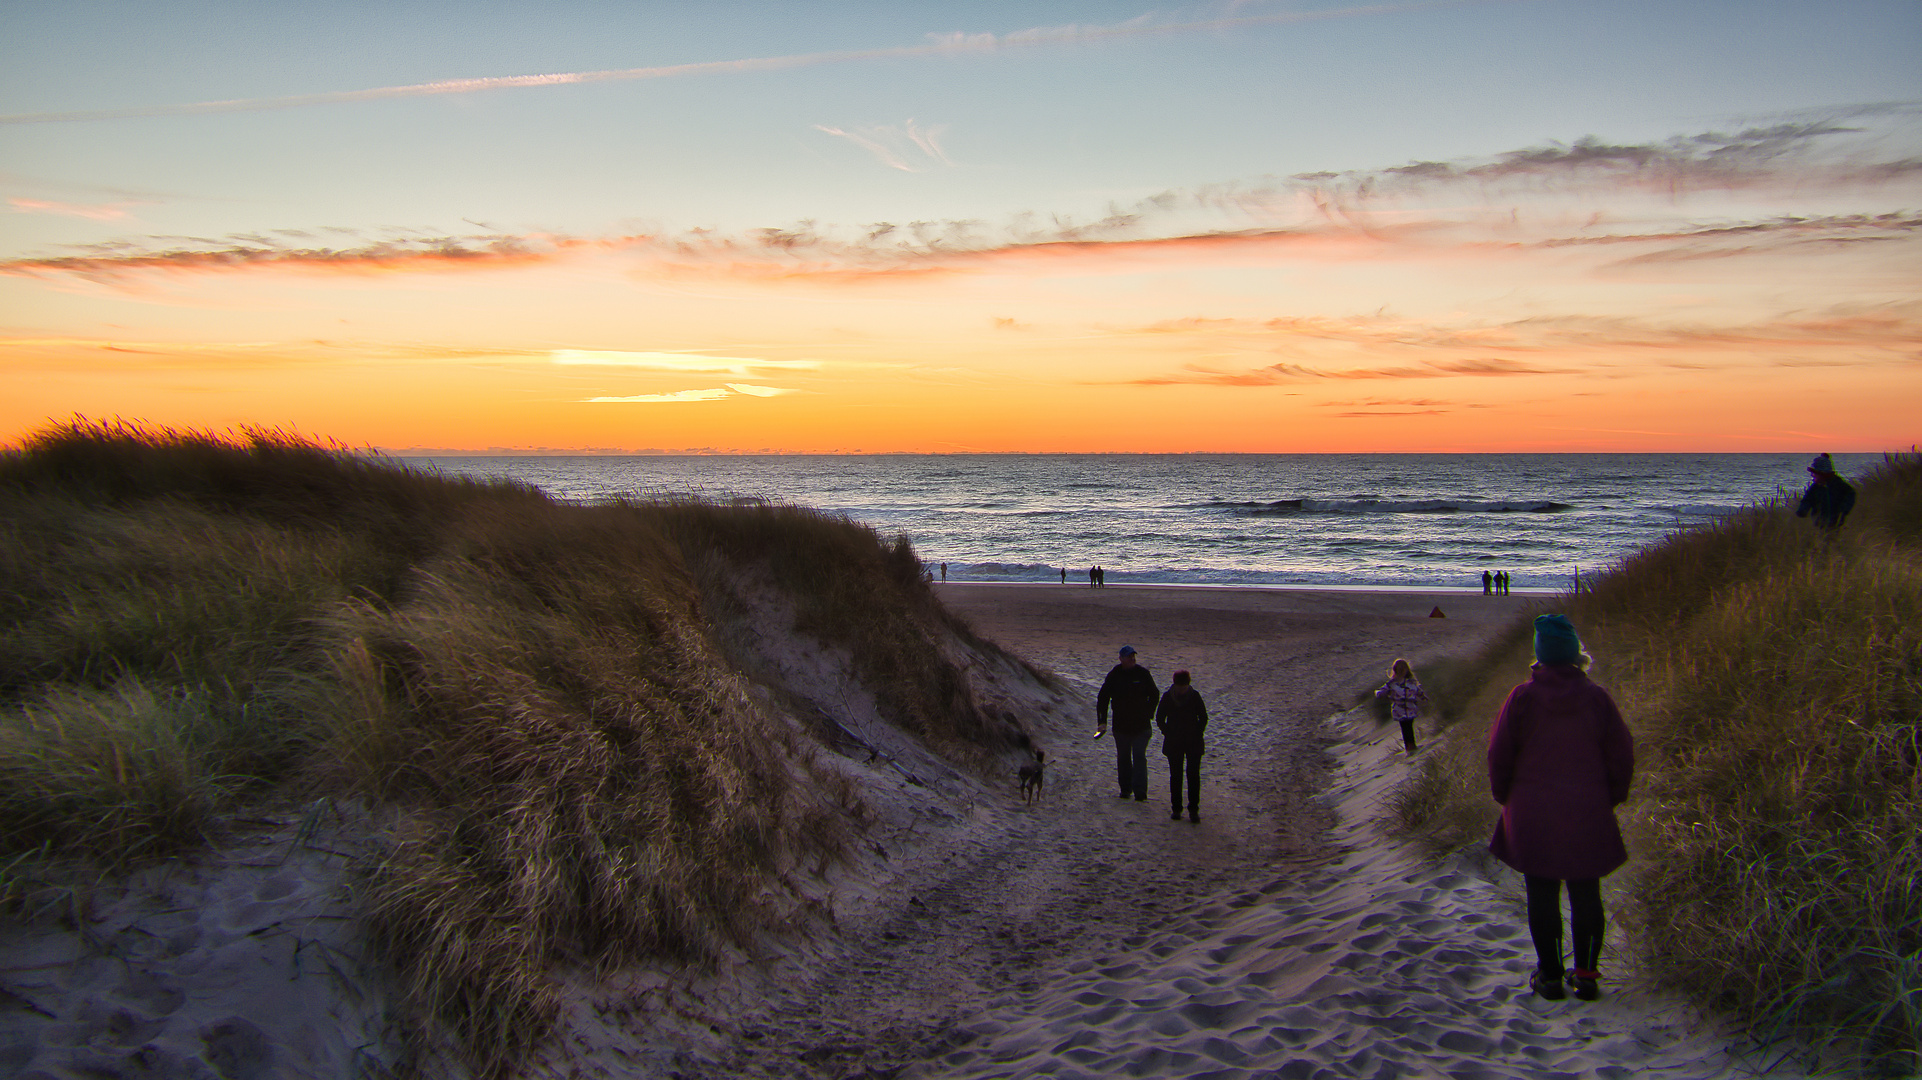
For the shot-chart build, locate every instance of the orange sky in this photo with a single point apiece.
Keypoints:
(1261, 342)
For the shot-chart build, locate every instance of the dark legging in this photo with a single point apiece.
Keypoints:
(1131, 762)
(1408, 735)
(1545, 922)
(1188, 761)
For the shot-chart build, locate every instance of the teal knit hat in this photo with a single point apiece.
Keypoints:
(1555, 640)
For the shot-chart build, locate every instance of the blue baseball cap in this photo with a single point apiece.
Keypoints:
(1127, 650)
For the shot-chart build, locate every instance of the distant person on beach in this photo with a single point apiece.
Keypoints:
(1501, 582)
(1829, 498)
(1183, 718)
(1064, 575)
(944, 571)
(1488, 583)
(1405, 698)
(1131, 691)
(1092, 572)
(1559, 761)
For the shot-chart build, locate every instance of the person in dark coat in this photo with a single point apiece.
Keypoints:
(1560, 760)
(1131, 691)
(1183, 718)
(1829, 498)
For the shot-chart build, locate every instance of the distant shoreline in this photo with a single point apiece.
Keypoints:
(1397, 590)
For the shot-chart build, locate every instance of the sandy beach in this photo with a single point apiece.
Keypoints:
(1283, 935)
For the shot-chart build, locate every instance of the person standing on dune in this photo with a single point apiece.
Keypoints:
(1829, 498)
(1560, 760)
(1131, 691)
(1183, 718)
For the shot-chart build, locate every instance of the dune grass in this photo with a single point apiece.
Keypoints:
(1773, 678)
(528, 694)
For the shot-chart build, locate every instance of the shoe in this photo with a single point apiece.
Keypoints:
(1587, 984)
(1194, 816)
(1176, 816)
(1127, 794)
(1548, 987)
(1141, 798)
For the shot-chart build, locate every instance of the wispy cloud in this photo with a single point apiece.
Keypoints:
(92, 212)
(1588, 194)
(1541, 346)
(717, 393)
(259, 251)
(679, 363)
(937, 45)
(896, 147)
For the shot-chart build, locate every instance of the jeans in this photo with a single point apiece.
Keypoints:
(1131, 763)
(1188, 761)
(1545, 922)
(1408, 735)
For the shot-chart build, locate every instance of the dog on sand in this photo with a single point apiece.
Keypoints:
(1031, 776)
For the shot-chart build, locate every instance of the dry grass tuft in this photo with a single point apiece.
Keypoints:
(573, 773)
(1773, 678)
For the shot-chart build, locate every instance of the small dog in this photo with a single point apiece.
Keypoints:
(1031, 776)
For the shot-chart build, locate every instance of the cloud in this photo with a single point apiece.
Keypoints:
(937, 45)
(1624, 202)
(895, 146)
(718, 393)
(715, 394)
(685, 363)
(95, 212)
(256, 251)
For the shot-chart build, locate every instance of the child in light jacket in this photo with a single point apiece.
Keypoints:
(1405, 699)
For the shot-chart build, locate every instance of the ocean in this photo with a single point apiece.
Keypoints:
(1320, 520)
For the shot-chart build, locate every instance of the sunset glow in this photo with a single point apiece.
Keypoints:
(1129, 230)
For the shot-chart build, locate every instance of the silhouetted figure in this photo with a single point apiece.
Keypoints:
(1559, 761)
(944, 571)
(1829, 498)
(1064, 575)
(1183, 719)
(1488, 583)
(1131, 691)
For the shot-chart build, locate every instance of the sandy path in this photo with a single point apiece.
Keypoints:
(971, 936)
(1281, 936)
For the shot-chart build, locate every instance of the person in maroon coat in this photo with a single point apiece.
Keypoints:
(1560, 760)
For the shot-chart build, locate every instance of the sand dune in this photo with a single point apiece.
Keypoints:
(1284, 935)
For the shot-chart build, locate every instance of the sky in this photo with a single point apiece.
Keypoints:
(1048, 226)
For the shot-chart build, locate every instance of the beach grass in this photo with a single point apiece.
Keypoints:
(1772, 675)
(533, 699)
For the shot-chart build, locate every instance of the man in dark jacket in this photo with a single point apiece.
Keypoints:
(1131, 690)
(1829, 497)
(1183, 718)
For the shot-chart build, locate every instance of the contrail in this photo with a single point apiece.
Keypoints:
(950, 45)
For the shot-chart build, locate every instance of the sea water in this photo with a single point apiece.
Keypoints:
(1323, 520)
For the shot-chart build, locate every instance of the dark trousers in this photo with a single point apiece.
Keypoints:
(1189, 761)
(1545, 922)
(1408, 735)
(1131, 762)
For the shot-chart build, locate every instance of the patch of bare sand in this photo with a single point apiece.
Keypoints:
(1282, 936)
